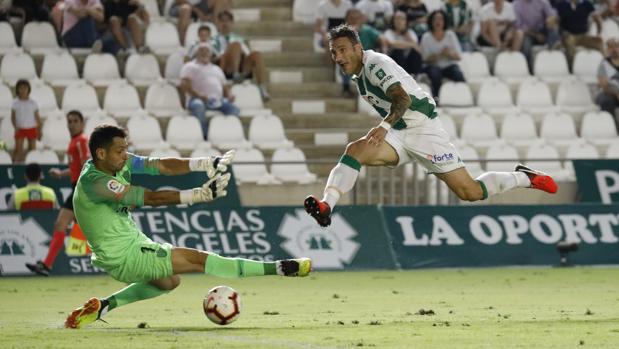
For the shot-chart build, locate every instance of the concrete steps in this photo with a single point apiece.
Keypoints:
(284, 105)
(332, 120)
(273, 29)
(308, 89)
(312, 74)
(294, 59)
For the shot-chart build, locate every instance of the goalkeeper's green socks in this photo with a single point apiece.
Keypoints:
(237, 267)
(132, 293)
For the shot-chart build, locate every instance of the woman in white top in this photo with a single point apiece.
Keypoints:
(26, 121)
(441, 52)
(403, 44)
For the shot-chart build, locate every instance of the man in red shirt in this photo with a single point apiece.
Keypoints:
(77, 153)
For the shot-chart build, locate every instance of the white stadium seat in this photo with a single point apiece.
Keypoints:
(162, 38)
(558, 129)
(101, 69)
(610, 29)
(579, 151)
(548, 161)
(586, 63)
(6, 100)
(511, 67)
(298, 173)
(204, 149)
(574, 97)
(59, 68)
(551, 66)
(122, 100)
(7, 38)
(479, 130)
(534, 97)
(142, 69)
(471, 159)
(267, 132)
(162, 100)
(518, 129)
(15, 66)
(165, 152)
(39, 38)
(251, 173)
(304, 11)
(45, 97)
(599, 128)
(449, 125)
(97, 120)
(152, 8)
(501, 152)
(145, 133)
(173, 66)
(5, 158)
(457, 99)
(80, 96)
(475, 67)
(7, 133)
(55, 134)
(226, 132)
(613, 151)
(248, 99)
(184, 132)
(495, 98)
(42, 157)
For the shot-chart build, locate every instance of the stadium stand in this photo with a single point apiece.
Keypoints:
(59, 68)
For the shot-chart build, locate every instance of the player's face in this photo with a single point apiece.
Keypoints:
(23, 92)
(612, 48)
(76, 126)
(116, 155)
(346, 55)
(204, 35)
(399, 21)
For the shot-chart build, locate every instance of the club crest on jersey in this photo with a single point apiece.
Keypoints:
(380, 74)
(115, 187)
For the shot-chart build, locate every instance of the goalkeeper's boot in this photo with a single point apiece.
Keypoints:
(84, 315)
(320, 210)
(539, 180)
(39, 268)
(294, 267)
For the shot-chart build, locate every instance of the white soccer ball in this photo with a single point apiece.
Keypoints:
(222, 305)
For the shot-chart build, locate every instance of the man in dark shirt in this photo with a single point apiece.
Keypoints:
(574, 19)
(126, 19)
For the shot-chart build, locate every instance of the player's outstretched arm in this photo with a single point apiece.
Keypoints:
(213, 189)
(211, 165)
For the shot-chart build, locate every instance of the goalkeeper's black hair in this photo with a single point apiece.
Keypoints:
(103, 137)
(344, 31)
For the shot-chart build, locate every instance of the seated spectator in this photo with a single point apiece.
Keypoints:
(201, 10)
(377, 12)
(403, 44)
(417, 14)
(539, 24)
(79, 23)
(126, 19)
(498, 26)
(32, 10)
(330, 14)
(33, 195)
(5, 9)
(56, 14)
(441, 52)
(204, 37)
(237, 60)
(460, 16)
(204, 84)
(26, 121)
(574, 18)
(608, 79)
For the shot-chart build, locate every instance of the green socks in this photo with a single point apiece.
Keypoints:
(133, 293)
(237, 267)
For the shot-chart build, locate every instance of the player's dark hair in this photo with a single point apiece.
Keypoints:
(344, 31)
(204, 27)
(224, 14)
(76, 113)
(33, 172)
(103, 137)
(434, 14)
(23, 82)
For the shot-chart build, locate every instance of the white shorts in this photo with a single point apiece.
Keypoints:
(427, 143)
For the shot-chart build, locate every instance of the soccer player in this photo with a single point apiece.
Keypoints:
(78, 154)
(103, 199)
(410, 130)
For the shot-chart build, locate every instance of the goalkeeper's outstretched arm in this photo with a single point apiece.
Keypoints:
(211, 165)
(213, 189)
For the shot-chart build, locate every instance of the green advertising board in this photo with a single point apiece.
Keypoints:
(598, 180)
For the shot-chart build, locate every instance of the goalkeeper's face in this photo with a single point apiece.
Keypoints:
(347, 55)
(115, 156)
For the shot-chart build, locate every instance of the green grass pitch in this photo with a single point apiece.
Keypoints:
(473, 308)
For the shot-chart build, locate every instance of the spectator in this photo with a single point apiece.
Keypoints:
(126, 19)
(608, 79)
(33, 195)
(26, 120)
(330, 14)
(56, 14)
(460, 16)
(202, 10)
(498, 26)
(5, 9)
(237, 60)
(32, 10)
(377, 12)
(79, 23)
(403, 44)
(539, 24)
(417, 14)
(574, 18)
(441, 52)
(204, 84)
(204, 37)
(371, 39)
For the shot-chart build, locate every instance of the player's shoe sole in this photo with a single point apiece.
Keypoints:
(295, 267)
(305, 266)
(539, 180)
(319, 210)
(84, 315)
(38, 268)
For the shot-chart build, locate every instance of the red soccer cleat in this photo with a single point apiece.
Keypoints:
(539, 180)
(319, 210)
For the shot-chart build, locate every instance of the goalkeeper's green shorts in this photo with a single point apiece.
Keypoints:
(143, 262)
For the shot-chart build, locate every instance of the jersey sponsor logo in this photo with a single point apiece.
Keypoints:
(436, 158)
(380, 74)
(331, 247)
(115, 187)
(385, 80)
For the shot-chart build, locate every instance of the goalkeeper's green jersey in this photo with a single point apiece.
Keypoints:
(102, 205)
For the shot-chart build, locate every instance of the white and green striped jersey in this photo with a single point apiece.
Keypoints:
(380, 72)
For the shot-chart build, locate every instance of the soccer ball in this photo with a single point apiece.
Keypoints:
(222, 305)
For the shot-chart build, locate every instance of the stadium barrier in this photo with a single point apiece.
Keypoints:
(598, 180)
(360, 237)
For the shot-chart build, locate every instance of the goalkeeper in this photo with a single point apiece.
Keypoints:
(102, 202)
